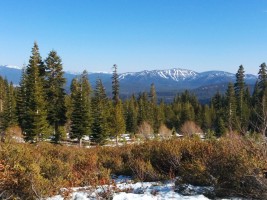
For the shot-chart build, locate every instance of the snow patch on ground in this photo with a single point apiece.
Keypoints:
(123, 188)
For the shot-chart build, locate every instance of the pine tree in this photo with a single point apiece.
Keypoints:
(187, 113)
(256, 95)
(35, 117)
(159, 116)
(241, 102)
(101, 113)
(118, 123)
(217, 102)
(9, 113)
(3, 97)
(153, 94)
(144, 114)
(262, 78)
(76, 114)
(21, 102)
(206, 118)
(3, 88)
(86, 92)
(259, 102)
(231, 107)
(131, 115)
(220, 127)
(81, 112)
(154, 112)
(240, 89)
(115, 85)
(55, 93)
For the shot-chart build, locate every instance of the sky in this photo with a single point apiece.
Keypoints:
(137, 35)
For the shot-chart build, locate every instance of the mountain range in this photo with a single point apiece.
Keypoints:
(167, 82)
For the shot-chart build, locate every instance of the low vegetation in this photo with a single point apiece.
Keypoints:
(30, 171)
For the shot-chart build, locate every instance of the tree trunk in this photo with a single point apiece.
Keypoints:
(117, 140)
(80, 142)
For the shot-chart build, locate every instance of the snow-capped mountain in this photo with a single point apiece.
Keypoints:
(11, 66)
(175, 74)
(167, 82)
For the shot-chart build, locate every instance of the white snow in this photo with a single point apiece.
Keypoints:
(175, 74)
(124, 188)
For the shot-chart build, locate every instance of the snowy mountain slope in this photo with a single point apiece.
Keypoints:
(11, 73)
(167, 82)
(175, 74)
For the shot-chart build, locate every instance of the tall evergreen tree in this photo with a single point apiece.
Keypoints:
(143, 111)
(262, 78)
(156, 112)
(259, 102)
(9, 114)
(153, 94)
(242, 101)
(3, 88)
(101, 109)
(131, 115)
(76, 130)
(115, 85)
(240, 90)
(118, 123)
(220, 126)
(159, 117)
(36, 114)
(81, 102)
(231, 107)
(206, 118)
(86, 91)
(256, 95)
(187, 112)
(55, 93)
(21, 101)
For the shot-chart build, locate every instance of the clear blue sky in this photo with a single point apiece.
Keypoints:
(137, 34)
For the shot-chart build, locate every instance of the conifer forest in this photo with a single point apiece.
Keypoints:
(42, 109)
(220, 144)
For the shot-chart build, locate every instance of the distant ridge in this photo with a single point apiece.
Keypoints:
(167, 82)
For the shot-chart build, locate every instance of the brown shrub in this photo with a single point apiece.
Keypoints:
(31, 171)
(115, 159)
(166, 157)
(143, 170)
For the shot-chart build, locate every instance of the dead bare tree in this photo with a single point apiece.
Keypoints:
(164, 132)
(190, 128)
(145, 131)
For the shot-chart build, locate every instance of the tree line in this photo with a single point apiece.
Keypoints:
(42, 109)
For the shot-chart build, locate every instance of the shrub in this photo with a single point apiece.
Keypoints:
(166, 157)
(30, 171)
(143, 170)
(190, 128)
(145, 131)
